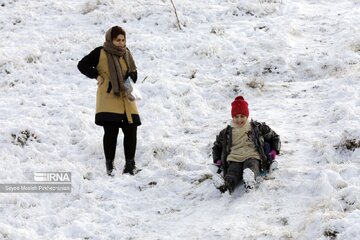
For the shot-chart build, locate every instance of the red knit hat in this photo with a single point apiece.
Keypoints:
(239, 106)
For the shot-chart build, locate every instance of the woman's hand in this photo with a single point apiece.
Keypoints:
(100, 80)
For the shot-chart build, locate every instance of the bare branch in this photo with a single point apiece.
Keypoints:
(177, 18)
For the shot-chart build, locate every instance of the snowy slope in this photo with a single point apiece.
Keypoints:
(296, 62)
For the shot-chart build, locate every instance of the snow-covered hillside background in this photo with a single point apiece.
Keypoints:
(296, 62)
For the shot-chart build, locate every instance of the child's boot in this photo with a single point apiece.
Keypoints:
(249, 179)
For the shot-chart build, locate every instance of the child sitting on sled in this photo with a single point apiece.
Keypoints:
(245, 148)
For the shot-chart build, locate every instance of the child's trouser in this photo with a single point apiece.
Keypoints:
(235, 170)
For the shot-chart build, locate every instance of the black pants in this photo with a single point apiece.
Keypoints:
(111, 132)
(235, 170)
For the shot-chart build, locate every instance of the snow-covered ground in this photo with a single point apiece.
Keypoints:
(296, 62)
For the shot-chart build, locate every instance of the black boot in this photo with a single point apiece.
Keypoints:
(110, 167)
(130, 167)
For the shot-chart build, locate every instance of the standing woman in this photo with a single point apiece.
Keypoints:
(110, 65)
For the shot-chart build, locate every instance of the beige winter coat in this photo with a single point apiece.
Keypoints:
(110, 107)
